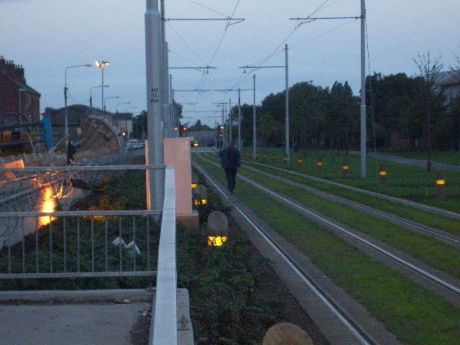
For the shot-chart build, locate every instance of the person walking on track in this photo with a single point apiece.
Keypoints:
(230, 161)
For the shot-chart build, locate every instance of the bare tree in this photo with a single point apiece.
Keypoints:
(430, 69)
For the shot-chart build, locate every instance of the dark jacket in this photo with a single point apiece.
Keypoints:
(230, 158)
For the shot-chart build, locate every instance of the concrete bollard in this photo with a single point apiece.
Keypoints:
(286, 334)
(217, 227)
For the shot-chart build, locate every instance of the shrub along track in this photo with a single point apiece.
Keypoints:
(385, 293)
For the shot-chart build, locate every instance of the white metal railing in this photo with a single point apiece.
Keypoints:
(76, 243)
(164, 324)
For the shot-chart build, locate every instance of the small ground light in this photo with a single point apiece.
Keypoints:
(217, 229)
(440, 187)
(382, 174)
(274, 158)
(200, 196)
(319, 164)
(345, 169)
(194, 181)
(299, 162)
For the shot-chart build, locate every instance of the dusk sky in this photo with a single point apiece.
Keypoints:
(45, 36)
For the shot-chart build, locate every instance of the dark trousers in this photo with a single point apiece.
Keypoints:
(231, 177)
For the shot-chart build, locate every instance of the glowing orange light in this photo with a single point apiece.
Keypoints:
(204, 202)
(440, 182)
(48, 204)
(345, 168)
(194, 185)
(383, 173)
(300, 161)
(196, 202)
(319, 163)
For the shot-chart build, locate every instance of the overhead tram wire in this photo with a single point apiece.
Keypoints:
(279, 48)
(219, 44)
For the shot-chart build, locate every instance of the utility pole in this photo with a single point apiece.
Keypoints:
(223, 126)
(155, 192)
(239, 120)
(288, 151)
(254, 132)
(164, 73)
(363, 138)
(287, 101)
(363, 92)
(230, 135)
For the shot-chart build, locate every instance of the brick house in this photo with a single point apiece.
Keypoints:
(19, 103)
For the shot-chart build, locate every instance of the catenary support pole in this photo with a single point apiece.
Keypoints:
(254, 131)
(230, 130)
(363, 92)
(239, 119)
(155, 192)
(288, 151)
(223, 125)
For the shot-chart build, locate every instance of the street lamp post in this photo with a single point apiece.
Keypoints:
(91, 94)
(122, 103)
(107, 98)
(102, 65)
(66, 125)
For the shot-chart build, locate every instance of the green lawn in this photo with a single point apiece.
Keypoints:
(425, 248)
(416, 316)
(402, 181)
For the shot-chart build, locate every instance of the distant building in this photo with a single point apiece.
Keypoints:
(124, 121)
(204, 138)
(19, 103)
(449, 82)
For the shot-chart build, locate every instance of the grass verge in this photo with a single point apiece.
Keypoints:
(415, 315)
(419, 216)
(402, 181)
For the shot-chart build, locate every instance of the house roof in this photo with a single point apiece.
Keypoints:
(448, 78)
(22, 86)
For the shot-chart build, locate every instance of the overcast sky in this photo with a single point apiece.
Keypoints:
(45, 36)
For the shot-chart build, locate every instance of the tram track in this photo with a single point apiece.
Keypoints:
(405, 202)
(397, 220)
(434, 280)
(360, 335)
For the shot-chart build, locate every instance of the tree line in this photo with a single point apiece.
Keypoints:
(403, 113)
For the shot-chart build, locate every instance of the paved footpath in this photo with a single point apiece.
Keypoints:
(78, 324)
(420, 163)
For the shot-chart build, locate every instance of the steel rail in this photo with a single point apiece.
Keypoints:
(367, 209)
(360, 334)
(405, 202)
(351, 234)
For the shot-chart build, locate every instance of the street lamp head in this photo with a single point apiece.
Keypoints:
(102, 64)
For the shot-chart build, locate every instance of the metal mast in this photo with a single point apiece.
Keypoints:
(153, 54)
(254, 132)
(363, 92)
(288, 154)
